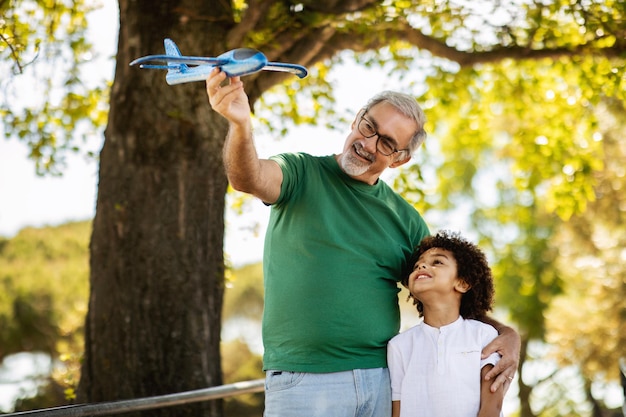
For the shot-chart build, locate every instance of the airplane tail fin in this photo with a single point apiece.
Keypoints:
(180, 68)
(172, 50)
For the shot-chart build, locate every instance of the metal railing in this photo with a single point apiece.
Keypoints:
(125, 406)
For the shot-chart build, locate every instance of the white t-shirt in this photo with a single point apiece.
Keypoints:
(436, 372)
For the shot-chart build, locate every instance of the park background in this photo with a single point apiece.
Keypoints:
(29, 200)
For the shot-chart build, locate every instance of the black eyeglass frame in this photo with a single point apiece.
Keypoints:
(386, 139)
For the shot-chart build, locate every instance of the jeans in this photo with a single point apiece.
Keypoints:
(356, 393)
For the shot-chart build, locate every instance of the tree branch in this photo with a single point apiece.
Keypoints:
(257, 9)
(14, 54)
(404, 31)
(338, 6)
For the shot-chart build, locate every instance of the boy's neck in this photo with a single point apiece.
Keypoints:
(438, 316)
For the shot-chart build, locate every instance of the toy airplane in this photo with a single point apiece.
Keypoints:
(238, 62)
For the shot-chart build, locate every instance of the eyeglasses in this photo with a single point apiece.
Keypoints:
(384, 144)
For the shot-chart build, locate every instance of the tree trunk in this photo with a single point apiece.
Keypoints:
(157, 268)
(524, 390)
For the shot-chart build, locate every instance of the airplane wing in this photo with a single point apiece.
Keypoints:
(296, 69)
(189, 60)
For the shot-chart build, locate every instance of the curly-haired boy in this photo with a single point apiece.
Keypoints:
(436, 366)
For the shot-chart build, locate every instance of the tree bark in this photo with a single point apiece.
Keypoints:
(524, 390)
(157, 268)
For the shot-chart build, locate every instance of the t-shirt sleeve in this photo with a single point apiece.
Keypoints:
(489, 333)
(293, 166)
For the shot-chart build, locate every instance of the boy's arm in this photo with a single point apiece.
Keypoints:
(490, 402)
(507, 344)
(395, 409)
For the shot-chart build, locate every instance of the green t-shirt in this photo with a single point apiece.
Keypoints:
(334, 251)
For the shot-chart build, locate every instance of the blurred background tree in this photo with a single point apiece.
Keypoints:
(43, 301)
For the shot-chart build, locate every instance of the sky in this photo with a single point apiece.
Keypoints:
(30, 200)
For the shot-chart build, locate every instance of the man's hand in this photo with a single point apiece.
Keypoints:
(508, 345)
(228, 99)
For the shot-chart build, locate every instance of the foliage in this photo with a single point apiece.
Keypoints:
(241, 364)
(592, 262)
(44, 289)
(556, 159)
(43, 44)
(43, 301)
(243, 297)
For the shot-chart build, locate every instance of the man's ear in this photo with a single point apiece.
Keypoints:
(461, 285)
(400, 162)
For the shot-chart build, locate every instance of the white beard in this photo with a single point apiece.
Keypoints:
(353, 166)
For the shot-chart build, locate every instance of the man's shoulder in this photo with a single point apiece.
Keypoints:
(301, 156)
(303, 161)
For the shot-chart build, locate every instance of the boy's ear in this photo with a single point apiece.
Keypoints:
(462, 286)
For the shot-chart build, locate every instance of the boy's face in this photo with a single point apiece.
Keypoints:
(435, 272)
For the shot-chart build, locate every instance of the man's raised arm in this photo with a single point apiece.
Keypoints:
(245, 171)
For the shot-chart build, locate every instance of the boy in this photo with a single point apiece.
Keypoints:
(436, 367)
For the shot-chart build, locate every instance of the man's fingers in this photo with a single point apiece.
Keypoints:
(218, 89)
(213, 82)
(502, 375)
(501, 381)
(504, 365)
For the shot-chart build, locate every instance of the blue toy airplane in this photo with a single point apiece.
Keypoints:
(238, 62)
